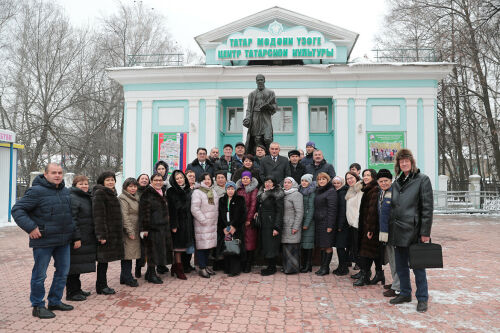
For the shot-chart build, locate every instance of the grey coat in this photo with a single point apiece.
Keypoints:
(279, 170)
(411, 209)
(308, 195)
(292, 217)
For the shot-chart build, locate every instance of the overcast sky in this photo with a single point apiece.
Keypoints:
(189, 18)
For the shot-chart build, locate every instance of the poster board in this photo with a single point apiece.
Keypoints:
(171, 148)
(382, 149)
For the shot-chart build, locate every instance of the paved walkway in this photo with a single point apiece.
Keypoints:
(464, 296)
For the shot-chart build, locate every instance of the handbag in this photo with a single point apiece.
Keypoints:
(232, 247)
(426, 255)
(257, 223)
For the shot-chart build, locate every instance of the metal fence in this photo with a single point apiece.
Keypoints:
(152, 60)
(405, 55)
(451, 202)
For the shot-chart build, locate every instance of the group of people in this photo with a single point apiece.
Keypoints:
(226, 210)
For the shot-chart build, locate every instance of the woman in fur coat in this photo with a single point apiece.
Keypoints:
(108, 228)
(369, 244)
(270, 215)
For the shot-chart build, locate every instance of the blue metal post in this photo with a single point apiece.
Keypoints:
(10, 180)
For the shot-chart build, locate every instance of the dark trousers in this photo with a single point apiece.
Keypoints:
(232, 264)
(73, 284)
(126, 271)
(202, 257)
(402, 267)
(141, 262)
(102, 272)
(343, 256)
(366, 264)
(354, 246)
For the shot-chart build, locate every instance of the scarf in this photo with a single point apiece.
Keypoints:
(209, 193)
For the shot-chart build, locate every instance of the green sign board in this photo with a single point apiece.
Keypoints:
(382, 149)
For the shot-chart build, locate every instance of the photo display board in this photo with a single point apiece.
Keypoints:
(171, 148)
(382, 149)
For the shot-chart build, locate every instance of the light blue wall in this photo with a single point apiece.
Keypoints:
(401, 102)
(281, 84)
(138, 138)
(170, 104)
(124, 142)
(324, 141)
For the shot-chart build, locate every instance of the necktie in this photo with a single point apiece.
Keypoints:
(203, 166)
(274, 159)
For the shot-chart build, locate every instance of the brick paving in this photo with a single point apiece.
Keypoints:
(464, 296)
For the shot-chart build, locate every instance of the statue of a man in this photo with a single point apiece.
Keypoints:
(261, 106)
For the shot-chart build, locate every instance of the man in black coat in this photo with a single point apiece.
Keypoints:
(308, 158)
(45, 214)
(297, 169)
(201, 164)
(274, 165)
(226, 162)
(320, 165)
(410, 222)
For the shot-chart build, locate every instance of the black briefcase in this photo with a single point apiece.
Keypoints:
(426, 255)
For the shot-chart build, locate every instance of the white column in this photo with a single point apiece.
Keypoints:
(194, 120)
(475, 190)
(147, 137)
(245, 130)
(129, 136)
(412, 126)
(302, 121)
(341, 136)
(430, 132)
(361, 142)
(211, 123)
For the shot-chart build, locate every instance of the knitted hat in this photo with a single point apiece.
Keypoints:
(246, 174)
(230, 184)
(307, 177)
(294, 183)
(293, 152)
(311, 143)
(384, 173)
(239, 144)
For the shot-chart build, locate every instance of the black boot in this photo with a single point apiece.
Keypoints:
(307, 267)
(325, 265)
(162, 269)
(379, 276)
(364, 280)
(356, 276)
(322, 259)
(137, 271)
(151, 276)
(270, 269)
(186, 263)
(343, 269)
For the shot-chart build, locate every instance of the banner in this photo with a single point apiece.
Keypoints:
(171, 148)
(382, 149)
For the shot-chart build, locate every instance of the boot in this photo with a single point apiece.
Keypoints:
(325, 265)
(270, 269)
(342, 270)
(186, 263)
(307, 267)
(356, 276)
(323, 253)
(161, 269)
(152, 277)
(137, 271)
(178, 271)
(363, 280)
(379, 276)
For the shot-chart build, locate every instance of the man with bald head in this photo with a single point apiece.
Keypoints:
(44, 212)
(261, 106)
(274, 165)
(320, 165)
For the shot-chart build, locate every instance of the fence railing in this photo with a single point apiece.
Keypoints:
(466, 202)
(152, 60)
(405, 55)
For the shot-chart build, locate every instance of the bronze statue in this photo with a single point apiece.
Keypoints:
(261, 106)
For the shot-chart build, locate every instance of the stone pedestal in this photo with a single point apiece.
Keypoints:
(475, 190)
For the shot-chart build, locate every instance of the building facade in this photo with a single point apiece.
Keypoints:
(354, 111)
